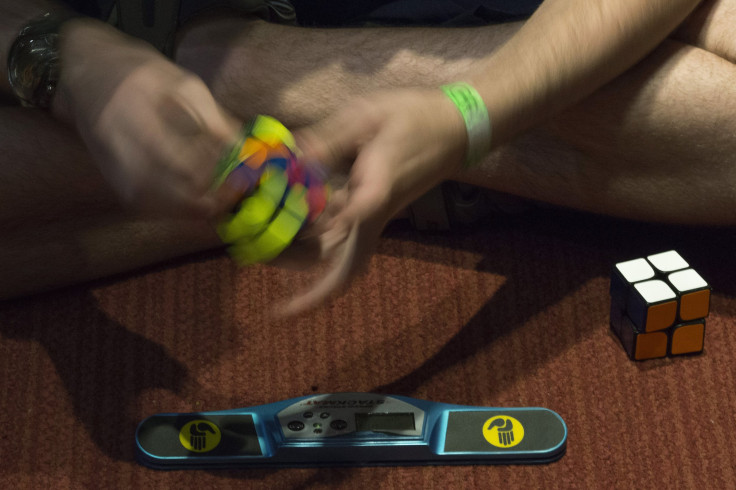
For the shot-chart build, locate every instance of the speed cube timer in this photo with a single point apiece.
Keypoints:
(658, 306)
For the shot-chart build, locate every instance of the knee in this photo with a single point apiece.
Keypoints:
(710, 27)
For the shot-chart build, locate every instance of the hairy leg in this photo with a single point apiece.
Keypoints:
(658, 143)
(300, 75)
(627, 150)
(711, 27)
(49, 176)
(73, 251)
(655, 144)
(60, 223)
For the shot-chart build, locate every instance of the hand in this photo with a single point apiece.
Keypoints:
(505, 430)
(400, 144)
(154, 129)
(198, 435)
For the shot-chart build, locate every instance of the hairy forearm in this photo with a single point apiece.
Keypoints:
(564, 52)
(14, 15)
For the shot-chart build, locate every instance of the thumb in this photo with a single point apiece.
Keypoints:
(349, 242)
(191, 109)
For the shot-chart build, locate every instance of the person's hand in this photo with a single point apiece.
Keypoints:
(153, 129)
(394, 147)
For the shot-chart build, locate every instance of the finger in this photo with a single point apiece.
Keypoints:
(193, 121)
(356, 241)
(183, 168)
(356, 228)
(337, 277)
(369, 191)
(193, 97)
(179, 116)
(332, 239)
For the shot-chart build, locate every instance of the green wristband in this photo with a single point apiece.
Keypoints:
(477, 121)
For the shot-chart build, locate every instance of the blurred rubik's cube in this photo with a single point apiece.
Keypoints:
(279, 194)
(658, 306)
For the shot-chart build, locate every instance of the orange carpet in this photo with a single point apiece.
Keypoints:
(511, 313)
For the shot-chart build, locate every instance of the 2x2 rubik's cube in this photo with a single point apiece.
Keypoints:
(658, 306)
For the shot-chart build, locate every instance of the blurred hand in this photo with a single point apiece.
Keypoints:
(154, 130)
(392, 147)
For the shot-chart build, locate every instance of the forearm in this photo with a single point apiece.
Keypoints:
(564, 52)
(14, 15)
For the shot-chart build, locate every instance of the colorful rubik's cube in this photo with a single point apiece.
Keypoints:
(658, 306)
(279, 194)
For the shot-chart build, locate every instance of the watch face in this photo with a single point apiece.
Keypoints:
(33, 63)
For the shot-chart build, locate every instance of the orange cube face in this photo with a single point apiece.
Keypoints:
(687, 339)
(652, 305)
(695, 305)
(650, 346)
(694, 294)
(661, 316)
(641, 345)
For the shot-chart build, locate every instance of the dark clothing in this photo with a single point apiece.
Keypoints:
(156, 21)
(412, 12)
(346, 13)
(99, 9)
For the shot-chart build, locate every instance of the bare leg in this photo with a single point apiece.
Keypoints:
(711, 27)
(49, 176)
(302, 74)
(656, 144)
(60, 224)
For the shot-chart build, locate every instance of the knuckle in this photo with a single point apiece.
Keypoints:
(189, 83)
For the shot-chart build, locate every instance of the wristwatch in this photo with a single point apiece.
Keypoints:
(33, 60)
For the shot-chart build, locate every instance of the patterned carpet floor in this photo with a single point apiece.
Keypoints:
(514, 312)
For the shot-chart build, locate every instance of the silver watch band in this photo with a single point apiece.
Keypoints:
(33, 60)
